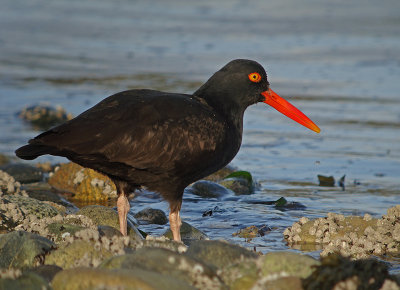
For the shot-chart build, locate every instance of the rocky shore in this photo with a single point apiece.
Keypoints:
(47, 242)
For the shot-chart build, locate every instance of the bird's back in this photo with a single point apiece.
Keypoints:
(145, 137)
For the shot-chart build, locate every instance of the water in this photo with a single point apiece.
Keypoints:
(339, 62)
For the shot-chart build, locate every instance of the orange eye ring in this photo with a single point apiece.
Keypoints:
(255, 77)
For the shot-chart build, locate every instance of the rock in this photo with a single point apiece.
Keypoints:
(87, 278)
(336, 272)
(27, 281)
(102, 215)
(353, 236)
(22, 249)
(252, 232)
(8, 185)
(240, 186)
(208, 189)
(292, 264)
(218, 254)
(168, 263)
(108, 231)
(152, 216)
(326, 180)
(45, 271)
(86, 184)
(242, 275)
(188, 234)
(43, 117)
(4, 159)
(220, 174)
(60, 230)
(78, 253)
(282, 283)
(16, 209)
(162, 243)
(23, 173)
(44, 192)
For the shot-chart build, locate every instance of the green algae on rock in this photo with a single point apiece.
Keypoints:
(218, 254)
(21, 249)
(252, 232)
(86, 184)
(88, 278)
(166, 262)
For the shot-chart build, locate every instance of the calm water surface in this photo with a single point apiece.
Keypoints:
(339, 62)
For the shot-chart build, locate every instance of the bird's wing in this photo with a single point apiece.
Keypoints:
(144, 129)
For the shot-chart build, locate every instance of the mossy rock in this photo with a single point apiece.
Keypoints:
(78, 253)
(27, 281)
(30, 206)
(242, 275)
(22, 249)
(239, 185)
(85, 183)
(220, 174)
(152, 216)
(102, 215)
(59, 229)
(169, 263)
(292, 264)
(218, 254)
(88, 278)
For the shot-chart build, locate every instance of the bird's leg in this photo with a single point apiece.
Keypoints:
(175, 224)
(123, 208)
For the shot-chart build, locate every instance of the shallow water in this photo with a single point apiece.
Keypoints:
(339, 62)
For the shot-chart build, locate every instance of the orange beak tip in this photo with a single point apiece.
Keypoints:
(283, 106)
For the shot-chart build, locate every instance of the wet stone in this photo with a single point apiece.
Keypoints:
(208, 189)
(240, 186)
(220, 174)
(22, 249)
(43, 117)
(326, 180)
(23, 173)
(4, 159)
(252, 232)
(188, 234)
(151, 216)
(218, 254)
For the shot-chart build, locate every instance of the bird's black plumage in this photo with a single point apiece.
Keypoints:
(160, 140)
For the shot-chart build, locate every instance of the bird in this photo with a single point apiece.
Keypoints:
(164, 141)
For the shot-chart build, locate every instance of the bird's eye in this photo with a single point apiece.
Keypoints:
(255, 77)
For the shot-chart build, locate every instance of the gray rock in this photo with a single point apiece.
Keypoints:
(27, 281)
(88, 278)
(292, 264)
(23, 173)
(102, 215)
(188, 234)
(45, 271)
(43, 117)
(219, 254)
(22, 249)
(152, 216)
(169, 263)
(240, 186)
(208, 189)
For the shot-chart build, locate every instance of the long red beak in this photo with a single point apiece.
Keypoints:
(286, 108)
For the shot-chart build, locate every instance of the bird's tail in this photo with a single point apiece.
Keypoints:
(32, 151)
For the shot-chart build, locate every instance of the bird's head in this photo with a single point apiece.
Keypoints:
(242, 83)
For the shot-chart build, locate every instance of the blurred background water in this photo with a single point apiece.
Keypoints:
(338, 61)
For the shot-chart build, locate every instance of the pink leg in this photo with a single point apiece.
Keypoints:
(175, 225)
(123, 208)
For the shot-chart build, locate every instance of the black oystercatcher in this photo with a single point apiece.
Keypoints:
(164, 141)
